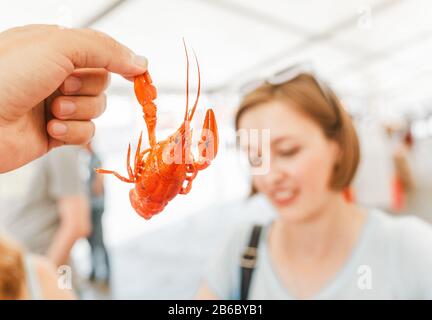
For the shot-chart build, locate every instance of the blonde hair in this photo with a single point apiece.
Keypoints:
(12, 274)
(320, 104)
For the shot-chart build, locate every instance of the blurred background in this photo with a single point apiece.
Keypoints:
(374, 54)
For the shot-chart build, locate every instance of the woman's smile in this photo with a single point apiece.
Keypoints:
(284, 197)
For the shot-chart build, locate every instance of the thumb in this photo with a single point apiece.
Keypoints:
(87, 48)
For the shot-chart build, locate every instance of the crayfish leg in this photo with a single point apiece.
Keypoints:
(185, 190)
(137, 153)
(129, 169)
(190, 169)
(103, 171)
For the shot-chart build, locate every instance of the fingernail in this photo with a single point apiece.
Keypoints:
(140, 61)
(72, 84)
(59, 129)
(67, 107)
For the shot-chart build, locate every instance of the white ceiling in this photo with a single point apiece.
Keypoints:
(377, 51)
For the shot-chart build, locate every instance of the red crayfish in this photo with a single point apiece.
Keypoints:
(167, 167)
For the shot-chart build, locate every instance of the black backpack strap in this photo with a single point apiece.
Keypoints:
(248, 262)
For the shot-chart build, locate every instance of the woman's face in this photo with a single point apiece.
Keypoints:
(301, 159)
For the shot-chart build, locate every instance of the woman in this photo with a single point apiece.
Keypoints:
(320, 246)
(27, 277)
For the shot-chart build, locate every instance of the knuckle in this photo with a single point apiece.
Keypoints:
(98, 106)
(104, 102)
(105, 39)
(101, 80)
(92, 130)
(79, 56)
(105, 79)
(82, 133)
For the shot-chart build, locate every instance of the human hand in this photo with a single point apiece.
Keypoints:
(51, 85)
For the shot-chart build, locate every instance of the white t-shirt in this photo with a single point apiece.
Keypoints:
(392, 260)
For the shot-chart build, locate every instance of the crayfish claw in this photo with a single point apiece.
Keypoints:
(208, 145)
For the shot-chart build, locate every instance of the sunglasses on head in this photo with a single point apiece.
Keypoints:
(285, 75)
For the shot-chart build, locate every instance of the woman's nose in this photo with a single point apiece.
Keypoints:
(277, 173)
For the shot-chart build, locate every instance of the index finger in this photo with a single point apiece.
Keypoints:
(87, 48)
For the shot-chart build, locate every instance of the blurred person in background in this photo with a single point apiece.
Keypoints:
(374, 180)
(319, 246)
(24, 276)
(404, 184)
(44, 204)
(100, 268)
(412, 163)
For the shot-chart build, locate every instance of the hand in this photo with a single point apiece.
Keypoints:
(51, 85)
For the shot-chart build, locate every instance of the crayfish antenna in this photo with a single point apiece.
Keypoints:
(198, 89)
(187, 81)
